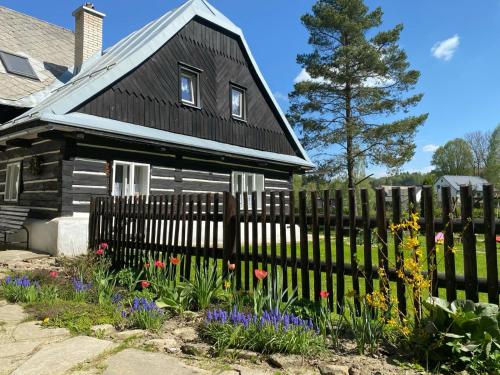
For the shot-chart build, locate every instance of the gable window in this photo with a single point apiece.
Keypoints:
(238, 103)
(130, 179)
(12, 182)
(17, 65)
(248, 182)
(189, 83)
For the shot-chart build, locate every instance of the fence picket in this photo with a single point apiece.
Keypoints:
(383, 255)
(283, 245)
(490, 243)
(255, 243)
(469, 244)
(449, 256)
(430, 243)
(246, 246)
(353, 233)
(339, 250)
(315, 244)
(304, 248)
(367, 241)
(293, 242)
(398, 252)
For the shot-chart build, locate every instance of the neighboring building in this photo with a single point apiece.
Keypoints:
(404, 194)
(454, 183)
(178, 106)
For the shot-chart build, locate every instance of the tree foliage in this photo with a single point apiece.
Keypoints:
(360, 79)
(454, 158)
(479, 143)
(493, 159)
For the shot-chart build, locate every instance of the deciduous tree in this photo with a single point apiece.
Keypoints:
(454, 158)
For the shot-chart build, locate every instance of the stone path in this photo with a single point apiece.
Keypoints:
(27, 348)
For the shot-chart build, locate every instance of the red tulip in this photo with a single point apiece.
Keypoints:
(103, 246)
(146, 265)
(498, 239)
(324, 294)
(145, 284)
(53, 274)
(99, 252)
(175, 261)
(231, 266)
(159, 264)
(260, 274)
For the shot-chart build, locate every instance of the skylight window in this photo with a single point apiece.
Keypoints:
(17, 65)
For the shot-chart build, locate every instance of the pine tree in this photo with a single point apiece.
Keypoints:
(345, 112)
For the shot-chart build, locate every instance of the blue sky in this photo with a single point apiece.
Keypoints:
(460, 75)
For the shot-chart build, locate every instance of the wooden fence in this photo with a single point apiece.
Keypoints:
(306, 247)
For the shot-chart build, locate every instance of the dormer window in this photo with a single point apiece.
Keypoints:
(238, 103)
(189, 87)
(17, 65)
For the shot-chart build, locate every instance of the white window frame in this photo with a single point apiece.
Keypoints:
(131, 166)
(245, 188)
(194, 77)
(8, 182)
(243, 104)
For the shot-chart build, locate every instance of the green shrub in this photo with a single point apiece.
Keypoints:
(144, 314)
(128, 278)
(461, 335)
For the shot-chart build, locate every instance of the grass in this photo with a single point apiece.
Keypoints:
(77, 317)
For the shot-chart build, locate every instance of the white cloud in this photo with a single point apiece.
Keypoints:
(280, 96)
(430, 148)
(305, 76)
(445, 49)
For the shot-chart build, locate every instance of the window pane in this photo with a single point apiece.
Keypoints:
(118, 183)
(12, 182)
(187, 92)
(239, 183)
(141, 180)
(259, 188)
(236, 103)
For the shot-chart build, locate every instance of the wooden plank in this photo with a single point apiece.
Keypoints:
(208, 204)
(189, 247)
(171, 218)
(304, 248)
(129, 213)
(246, 246)
(159, 225)
(383, 255)
(293, 242)
(398, 251)
(412, 210)
(490, 243)
(237, 259)
(316, 251)
(448, 245)
(274, 266)
(255, 244)
(135, 233)
(367, 241)
(328, 247)
(199, 209)
(469, 244)
(264, 234)
(230, 226)
(165, 221)
(339, 251)
(182, 249)
(353, 233)
(430, 235)
(283, 245)
(215, 239)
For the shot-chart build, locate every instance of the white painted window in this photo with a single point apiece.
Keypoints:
(189, 87)
(12, 182)
(248, 182)
(238, 104)
(130, 179)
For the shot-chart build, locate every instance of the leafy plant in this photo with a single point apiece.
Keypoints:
(269, 332)
(205, 287)
(144, 314)
(20, 289)
(272, 298)
(128, 278)
(461, 335)
(367, 331)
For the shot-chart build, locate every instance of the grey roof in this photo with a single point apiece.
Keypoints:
(101, 71)
(49, 48)
(455, 181)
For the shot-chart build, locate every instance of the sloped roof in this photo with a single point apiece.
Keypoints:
(128, 54)
(49, 49)
(455, 181)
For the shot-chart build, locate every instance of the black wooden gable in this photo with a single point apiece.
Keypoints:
(149, 95)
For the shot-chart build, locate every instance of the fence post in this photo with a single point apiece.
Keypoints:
(449, 256)
(383, 255)
(469, 244)
(229, 230)
(430, 242)
(490, 243)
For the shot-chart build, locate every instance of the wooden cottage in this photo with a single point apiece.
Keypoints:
(179, 106)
